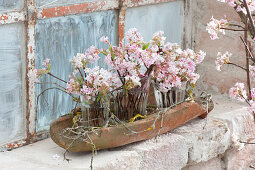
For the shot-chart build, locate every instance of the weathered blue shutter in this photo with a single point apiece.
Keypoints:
(168, 17)
(12, 82)
(11, 5)
(60, 39)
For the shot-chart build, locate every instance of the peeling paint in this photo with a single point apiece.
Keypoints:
(135, 3)
(78, 9)
(12, 17)
(30, 66)
(55, 3)
(11, 146)
(93, 7)
(122, 15)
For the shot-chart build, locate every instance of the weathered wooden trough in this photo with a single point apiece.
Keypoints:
(111, 137)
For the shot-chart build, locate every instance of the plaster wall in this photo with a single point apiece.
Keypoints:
(211, 79)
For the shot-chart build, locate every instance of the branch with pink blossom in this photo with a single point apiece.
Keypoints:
(245, 9)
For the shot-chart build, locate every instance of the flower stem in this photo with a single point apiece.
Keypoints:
(247, 142)
(245, 100)
(57, 78)
(237, 66)
(249, 16)
(81, 75)
(234, 29)
(236, 25)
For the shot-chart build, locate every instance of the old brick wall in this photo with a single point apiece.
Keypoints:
(211, 79)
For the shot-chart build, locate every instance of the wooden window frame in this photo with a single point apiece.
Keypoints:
(30, 14)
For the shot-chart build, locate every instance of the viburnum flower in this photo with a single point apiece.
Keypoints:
(252, 71)
(199, 57)
(158, 39)
(194, 77)
(100, 81)
(251, 108)
(132, 81)
(215, 26)
(80, 60)
(229, 2)
(239, 5)
(238, 92)
(99, 77)
(223, 59)
(105, 40)
(172, 65)
(253, 94)
(133, 36)
(85, 90)
(45, 70)
(46, 63)
(73, 86)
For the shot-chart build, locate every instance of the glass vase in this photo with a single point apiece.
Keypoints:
(128, 103)
(95, 111)
(170, 98)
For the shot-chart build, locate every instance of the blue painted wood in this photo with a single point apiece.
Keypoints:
(168, 17)
(60, 39)
(12, 83)
(54, 3)
(10, 5)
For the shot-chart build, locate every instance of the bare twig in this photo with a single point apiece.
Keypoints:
(252, 143)
(51, 83)
(161, 126)
(247, 48)
(252, 166)
(50, 88)
(247, 59)
(67, 159)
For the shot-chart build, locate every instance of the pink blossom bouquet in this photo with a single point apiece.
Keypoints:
(123, 88)
(174, 69)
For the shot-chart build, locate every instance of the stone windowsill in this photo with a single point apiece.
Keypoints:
(199, 144)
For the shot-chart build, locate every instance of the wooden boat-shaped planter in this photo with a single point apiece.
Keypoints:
(111, 137)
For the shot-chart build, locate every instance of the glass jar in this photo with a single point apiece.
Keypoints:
(170, 98)
(95, 111)
(128, 103)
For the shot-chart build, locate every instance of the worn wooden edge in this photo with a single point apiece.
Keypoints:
(118, 136)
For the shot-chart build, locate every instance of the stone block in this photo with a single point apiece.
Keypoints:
(206, 139)
(168, 151)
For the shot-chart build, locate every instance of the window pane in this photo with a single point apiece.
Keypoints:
(167, 17)
(60, 39)
(11, 5)
(12, 76)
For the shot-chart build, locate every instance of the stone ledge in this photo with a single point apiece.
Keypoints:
(199, 144)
